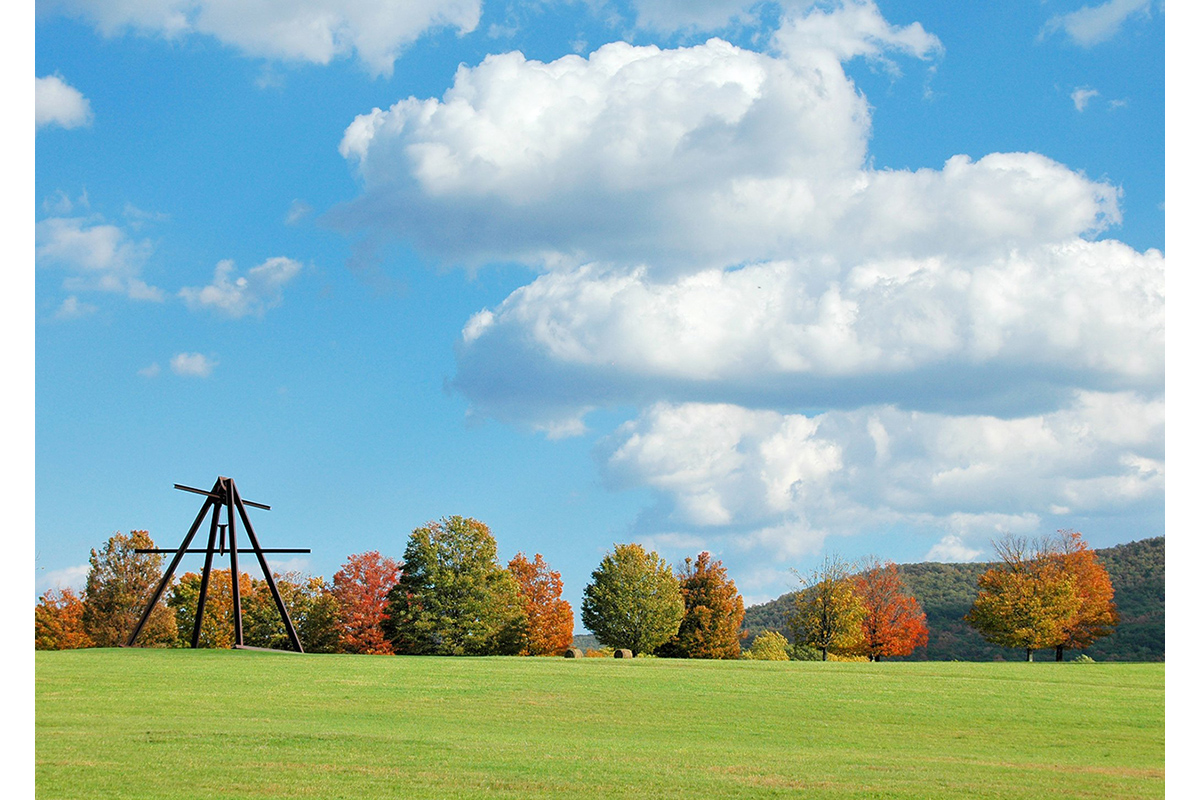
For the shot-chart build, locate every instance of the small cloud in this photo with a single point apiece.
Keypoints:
(496, 31)
(67, 578)
(1092, 25)
(269, 78)
(192, 365)
(236, 296)
(1082, 95)
(137, 217)
(60, 203)
(71, 308)
(58, 103)
(150, 371)
(951, 549)
(100, 257)
(1117, 104)
(297, 211)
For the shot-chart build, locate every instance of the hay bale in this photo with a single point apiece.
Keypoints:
(622, 652)
(573, 652)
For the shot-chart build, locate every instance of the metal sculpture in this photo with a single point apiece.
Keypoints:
(224, 494)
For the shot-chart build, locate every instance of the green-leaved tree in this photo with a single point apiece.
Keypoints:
(452, 597)
(633, 600)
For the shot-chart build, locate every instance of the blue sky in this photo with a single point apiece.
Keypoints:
(768, 279)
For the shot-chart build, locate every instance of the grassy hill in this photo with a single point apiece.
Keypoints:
(946, 592)
(196, 724)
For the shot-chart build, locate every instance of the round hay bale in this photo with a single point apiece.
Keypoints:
(622, 652)
(573, 652)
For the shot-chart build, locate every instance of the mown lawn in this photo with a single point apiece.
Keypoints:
(220, 724)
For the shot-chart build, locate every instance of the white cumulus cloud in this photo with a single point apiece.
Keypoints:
(689, 158)
(813, 345)
(58, 103)
(817, 332)
(192, 365)
(316, 31)
(97, 256)
(240, 295)
(785, 482)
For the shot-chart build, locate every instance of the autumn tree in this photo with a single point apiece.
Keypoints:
(893, 623)
(361, 589)
(827, 614)
(119, 584)
(452, 597)
(550, 622)
(768, 646)
(311, 607)
(633, 600)
(712, 616)
(1096, 616)
(1026, 602)
(216, 627)
(58, 621)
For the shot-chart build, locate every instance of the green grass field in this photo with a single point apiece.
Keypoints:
(197, 724)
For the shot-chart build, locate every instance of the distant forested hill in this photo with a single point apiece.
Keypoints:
(946, 592)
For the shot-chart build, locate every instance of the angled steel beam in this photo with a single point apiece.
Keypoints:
(208, 559)
(216, 497)
(166, 578)
(262, 562)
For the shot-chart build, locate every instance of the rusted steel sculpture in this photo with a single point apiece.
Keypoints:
(224, 494)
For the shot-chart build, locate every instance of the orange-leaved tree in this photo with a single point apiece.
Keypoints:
(1097, 614)
(216, 627)
(120, 582)
(550, 620)
(58, 621)
(894, 624)
(361, 587)
(712, 613)
(1028, 601)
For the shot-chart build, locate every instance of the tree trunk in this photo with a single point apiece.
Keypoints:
(1058, 653)
(1029, 654)
(823, 654)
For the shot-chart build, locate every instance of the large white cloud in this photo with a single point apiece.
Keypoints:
(792, 480)
(954, 331)
(690, 158)
(811, 343)
(305, 30)
(96, 255)
(56, 102)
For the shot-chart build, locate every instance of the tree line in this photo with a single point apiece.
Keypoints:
(449, 595)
